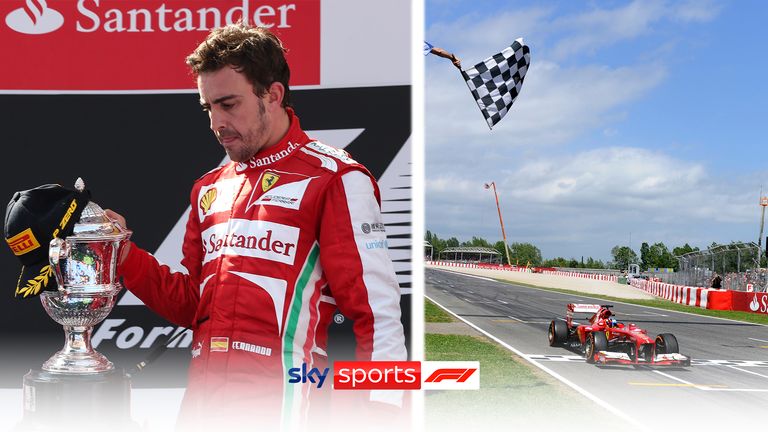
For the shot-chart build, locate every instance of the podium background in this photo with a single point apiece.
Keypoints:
(140, 147)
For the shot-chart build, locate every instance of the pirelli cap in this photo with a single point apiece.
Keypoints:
(35, 217)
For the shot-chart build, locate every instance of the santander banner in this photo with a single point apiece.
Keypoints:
(139, 45)
(749, 302)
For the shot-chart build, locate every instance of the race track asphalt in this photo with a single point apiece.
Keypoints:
(725, 388)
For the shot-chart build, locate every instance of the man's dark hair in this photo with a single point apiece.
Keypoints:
(253, 51)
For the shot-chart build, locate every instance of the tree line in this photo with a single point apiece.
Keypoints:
(657, 255)
(521, 254)
(652, 256)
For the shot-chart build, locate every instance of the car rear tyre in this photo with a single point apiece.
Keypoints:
(596, 342)
(666, 343)
(558, 333)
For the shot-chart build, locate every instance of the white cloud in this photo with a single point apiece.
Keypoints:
(587, 202)
(473, 37)
(555, 106)
(566, 182)
(591, 30)
(697, 10)
(597, 28)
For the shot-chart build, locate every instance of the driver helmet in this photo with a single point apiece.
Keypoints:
(611, 322)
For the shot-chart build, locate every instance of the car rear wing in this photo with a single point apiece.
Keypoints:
(572, 308)
(582, 308)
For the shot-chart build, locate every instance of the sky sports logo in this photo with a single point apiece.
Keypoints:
(393, 375)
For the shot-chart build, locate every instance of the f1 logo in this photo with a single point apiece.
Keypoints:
(458, 375)
(451, 375)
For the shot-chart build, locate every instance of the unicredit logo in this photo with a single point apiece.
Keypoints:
(34, 18)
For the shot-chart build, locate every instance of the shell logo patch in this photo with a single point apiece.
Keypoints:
(269, 180)
(207, 200)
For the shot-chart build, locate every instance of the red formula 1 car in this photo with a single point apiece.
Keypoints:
(606, 341)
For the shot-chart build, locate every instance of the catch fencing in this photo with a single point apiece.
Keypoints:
(736, 263)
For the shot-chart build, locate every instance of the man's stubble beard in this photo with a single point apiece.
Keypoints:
(253, 140)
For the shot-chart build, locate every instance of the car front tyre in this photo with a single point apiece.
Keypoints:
(666, 343)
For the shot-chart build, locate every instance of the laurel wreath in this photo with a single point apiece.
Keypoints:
(36, 284)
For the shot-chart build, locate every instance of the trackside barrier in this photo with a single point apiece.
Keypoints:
(691, 296)
(706, 298)
(749, 301)
(478, 266)
(593, 276)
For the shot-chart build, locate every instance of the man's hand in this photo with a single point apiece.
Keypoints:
(445, 54)
(455, 60)
(118, 219)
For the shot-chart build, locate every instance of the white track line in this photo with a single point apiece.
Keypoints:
(705, 388)
(469, 275)
(647, 314)
(749, 372)
(747, 390)
(681, 380)
(758, 340)
(552, 373)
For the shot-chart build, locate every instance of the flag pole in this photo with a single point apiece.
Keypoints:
(501, 221)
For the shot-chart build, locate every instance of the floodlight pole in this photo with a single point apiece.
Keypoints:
(501, 221)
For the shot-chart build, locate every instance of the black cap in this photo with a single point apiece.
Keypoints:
(35, 217)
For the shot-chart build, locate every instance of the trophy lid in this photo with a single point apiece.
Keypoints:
(94, 224)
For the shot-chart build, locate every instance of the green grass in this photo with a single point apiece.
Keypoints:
(659, 303)
(433, 313)
(499, 368)
(513, 395)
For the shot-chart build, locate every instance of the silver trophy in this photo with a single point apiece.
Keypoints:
(85, 265)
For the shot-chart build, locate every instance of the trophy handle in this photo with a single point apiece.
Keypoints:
(56, 251)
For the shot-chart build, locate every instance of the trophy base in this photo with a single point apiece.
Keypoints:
(56, 401)
(78, 363)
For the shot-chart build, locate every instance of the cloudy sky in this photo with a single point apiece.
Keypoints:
(639, 119)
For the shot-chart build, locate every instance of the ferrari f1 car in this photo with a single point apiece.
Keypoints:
(607, 341)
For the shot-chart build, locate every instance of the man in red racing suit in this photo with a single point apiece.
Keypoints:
(273, 245)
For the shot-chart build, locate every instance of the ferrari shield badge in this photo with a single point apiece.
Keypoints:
(268, 180)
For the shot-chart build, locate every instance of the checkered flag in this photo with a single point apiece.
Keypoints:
(496, 82)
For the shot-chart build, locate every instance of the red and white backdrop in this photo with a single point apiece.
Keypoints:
(99, 89)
